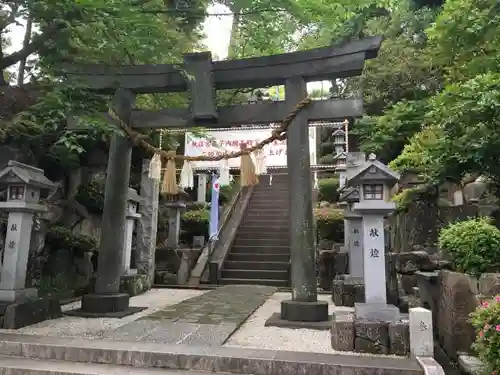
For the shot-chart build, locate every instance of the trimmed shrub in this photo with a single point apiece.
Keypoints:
(329, 224)
(327, 148)
(61, 238)
(328, 190)
(327, 160)
(91, 195)
(473, 244)
(194, 223)
(486, 321)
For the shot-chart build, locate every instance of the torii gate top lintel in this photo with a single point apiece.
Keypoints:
(336, 61)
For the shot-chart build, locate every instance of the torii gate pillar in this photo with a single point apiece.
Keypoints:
(304, 305)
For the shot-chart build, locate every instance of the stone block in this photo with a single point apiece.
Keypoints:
(341, 263)
(399, 338)
(353, 292)
(304, 311)
(342, 333)
(376, 312)
(22, 314)
(489, 284)
(371, 337)
(337, 292)
(421, 334)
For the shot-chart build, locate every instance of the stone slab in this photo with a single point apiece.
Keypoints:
(202, 358)
(276, 321)
(376, 312)
(399, 338)
(18, 315)
(114, 314)
(228, 304)
(18, 295)
(470, 365)
(210, 335)
(421, 332)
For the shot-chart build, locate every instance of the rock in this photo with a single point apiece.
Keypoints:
(409, 263)
(470, 365)
(489, 284)
(408, 282)
(84, 269)
(457, 299)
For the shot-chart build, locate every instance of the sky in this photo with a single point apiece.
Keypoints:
(217, 30)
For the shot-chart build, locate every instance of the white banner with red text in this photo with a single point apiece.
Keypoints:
(219, 142)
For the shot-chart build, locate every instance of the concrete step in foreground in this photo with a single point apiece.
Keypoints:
(24, 366)
(254, 281)
(191, 357)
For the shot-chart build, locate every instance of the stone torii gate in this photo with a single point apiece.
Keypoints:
(202, 80)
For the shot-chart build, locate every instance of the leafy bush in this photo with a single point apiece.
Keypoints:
(61, 238)
(328, 190)
(329, 224)
(473, 244)
(486, 321)
(194, 223)
(91, 195)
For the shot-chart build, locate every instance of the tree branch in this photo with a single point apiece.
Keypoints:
(36, 45)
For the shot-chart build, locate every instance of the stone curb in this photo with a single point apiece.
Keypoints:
(198, 358)
(430, 366)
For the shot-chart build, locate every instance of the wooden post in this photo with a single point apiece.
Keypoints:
(107, 297)
(304, 305)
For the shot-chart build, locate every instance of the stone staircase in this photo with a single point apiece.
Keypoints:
(260, 253)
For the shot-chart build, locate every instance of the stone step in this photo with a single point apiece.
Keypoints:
(269, 231)
(200, 358)
(265, 215)
(253, 257)
(256, 222)
(227, 281)
(259, 265)
(259, 246)
(24, 366)
(254, 274)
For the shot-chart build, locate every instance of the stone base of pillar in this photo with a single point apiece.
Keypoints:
(15, 315)
(18, 295)
(376, 312)
(105, 306)
(297, 311)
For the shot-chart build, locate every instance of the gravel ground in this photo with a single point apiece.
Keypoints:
(67, 326)
(253, 333)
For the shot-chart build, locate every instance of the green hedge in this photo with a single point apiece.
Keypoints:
(473, 244)
(61, 238)
(194, 223)
(327, 160)
(329, 224)
(328, 190)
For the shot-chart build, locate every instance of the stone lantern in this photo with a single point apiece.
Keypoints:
(339, 141)
(375, 181)
(175, 204)
(24, 186)
(133, 201)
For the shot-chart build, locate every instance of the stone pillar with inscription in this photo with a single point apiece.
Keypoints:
(375, 181)
(202, 188)
(175, 204)
(133, 200)
(24, 184)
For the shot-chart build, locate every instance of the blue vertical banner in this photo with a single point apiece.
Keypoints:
(214, 209)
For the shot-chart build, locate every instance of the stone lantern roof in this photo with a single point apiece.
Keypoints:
(17, 172)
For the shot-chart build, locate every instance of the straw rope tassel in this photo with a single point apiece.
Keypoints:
(260, 162)
(187, 177)
(247, 169)
(169, 185)
(224, 175)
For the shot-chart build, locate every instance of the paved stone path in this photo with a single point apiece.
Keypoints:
(208, 319)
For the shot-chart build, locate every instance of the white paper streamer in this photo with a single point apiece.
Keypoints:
(154, 172)
(187, 178)
(260, 162)
(224, 175)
